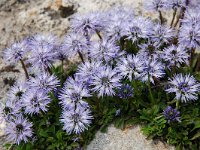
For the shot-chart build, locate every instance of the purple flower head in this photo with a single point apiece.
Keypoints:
(138, 28)
(16, 91)
(19, 130)
(105, 50)
(15, 53)
(151, 68)
(105, 81)
(76, 121)
(42, 57)
(73, 94)
(175, 56)
(73, 44)
(44, 82)
(191, 17)
(189, 36)
(35, 102)
(156, 5)
(161, 34)
(41, 40)
(10, 108)
(185, 87)
(128, 65)
(171, 115)
(87, 69)
(88, 24)
(175, 4)
(125, 91)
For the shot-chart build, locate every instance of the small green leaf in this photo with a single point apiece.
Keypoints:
(197, 135)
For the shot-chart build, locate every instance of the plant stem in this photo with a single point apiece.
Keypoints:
(97, 32)
(191, 56)
(177, 104)
(174, 15)
(161, 17)
(81, 56)
(24, 68)
(62, 63)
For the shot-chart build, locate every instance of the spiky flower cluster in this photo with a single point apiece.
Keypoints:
(117, 49)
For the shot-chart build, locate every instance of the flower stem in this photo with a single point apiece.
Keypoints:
(174, 15)
(191, 56)
(177, 104)
(81, 56)
(161, 17)
(97, 32)
(150, 92)
(24, 68)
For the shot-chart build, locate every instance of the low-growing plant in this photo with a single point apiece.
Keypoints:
(131, 70)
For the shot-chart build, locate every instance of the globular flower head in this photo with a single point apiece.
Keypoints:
(161, 34)
(175, 4)
(151, 68)
(105, 81)
(15, 53)
(128, 65)
(76, 121)
(189, 36)
(105, 50)
(73, 44)
(125, 91)
(42, 57)
(171, 115)
(44, 82)
(88, 24)
(138, 28)
(156, 5)
(175, 56)
(185, 87)
(73, 94)
(35, 101)
(18, 130)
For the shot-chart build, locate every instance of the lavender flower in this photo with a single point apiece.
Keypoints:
(191, 17)
(44, 82)
(42, 57)
(18, 130)
(185, 87)
(161, 34)
(76, 121)
(175, 56)
(190, 36)
(87, 24)
(105, 81)
(125, 91)
(105, 50)
(175, 4)
(138, 28)
(74, 43)
(35, 101)
(128, 65)
(151, 68)
(156, 5)
(15, 53)
(171, 114)
(73, 95)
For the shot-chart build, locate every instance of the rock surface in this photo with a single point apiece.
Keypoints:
(22, 18)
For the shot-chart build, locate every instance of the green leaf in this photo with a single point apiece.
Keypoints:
(43, 133)
(59, 135)
(197, 135)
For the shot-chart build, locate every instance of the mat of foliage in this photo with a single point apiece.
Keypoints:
(133, 70)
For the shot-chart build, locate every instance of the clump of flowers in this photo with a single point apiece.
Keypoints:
(130, 69)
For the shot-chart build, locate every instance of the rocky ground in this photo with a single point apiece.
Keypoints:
(22, 18)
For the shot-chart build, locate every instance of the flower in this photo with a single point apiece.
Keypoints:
(35, 101)
(156, 5)
(73, 95)
(105, 50)
(151, 68)
(128, 65)
(175, 56)
(105, 81)
(15, 53)
(185, 87)
(44, 81)
(161, 34)
(138, 28)
(88, 24)
(125, 91)
(18, 130)
(189, 36)
(74, 43)
(175, 4)
(171, 114)
(42, 57)
(76, 121)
